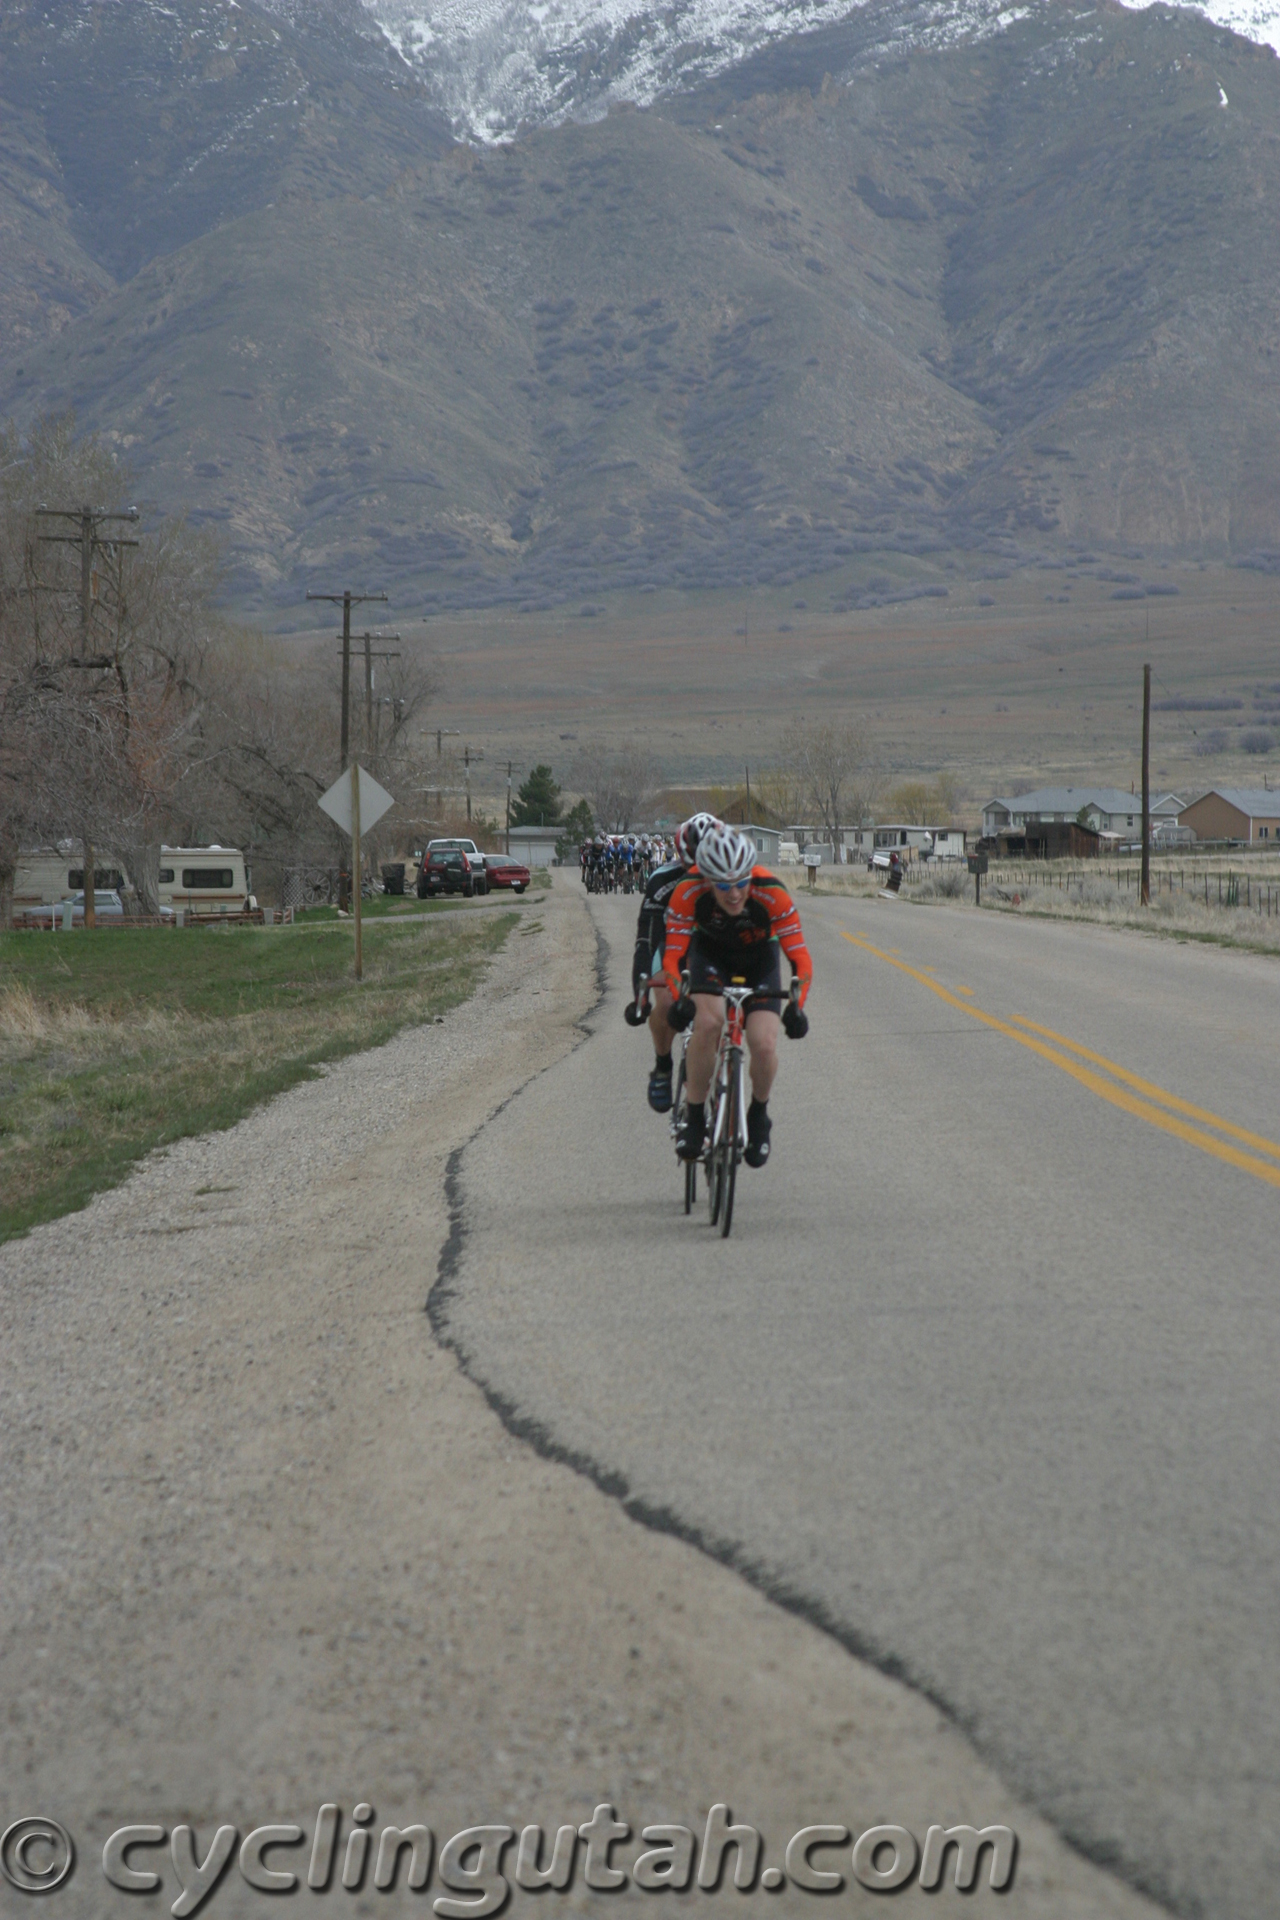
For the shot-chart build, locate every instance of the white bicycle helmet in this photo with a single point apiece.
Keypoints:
(725, 855)
(690, 832)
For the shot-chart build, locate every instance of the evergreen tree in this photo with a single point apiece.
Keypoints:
(537, 801)
(579, 825)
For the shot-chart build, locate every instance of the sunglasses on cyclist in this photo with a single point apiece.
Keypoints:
(731, 886)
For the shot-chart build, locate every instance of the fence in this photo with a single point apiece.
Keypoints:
(302, 887)
(38, 920)
(1229, 889)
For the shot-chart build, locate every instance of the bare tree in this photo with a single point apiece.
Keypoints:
(616, 782)
(157, 718)
(834, 773)
(924, 802)
(96, 702)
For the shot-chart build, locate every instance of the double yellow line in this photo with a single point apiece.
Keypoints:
(1122, 1089)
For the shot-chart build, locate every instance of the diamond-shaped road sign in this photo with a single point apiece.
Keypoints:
(374, 800)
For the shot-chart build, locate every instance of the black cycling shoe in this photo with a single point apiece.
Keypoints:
(759, 1127)
(691, 1132)
(660, 1088)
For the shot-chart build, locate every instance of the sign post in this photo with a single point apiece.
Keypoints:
(356, 799)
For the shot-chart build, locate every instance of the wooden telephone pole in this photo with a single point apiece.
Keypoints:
(89, 539)
(372, 653)
(346, 600)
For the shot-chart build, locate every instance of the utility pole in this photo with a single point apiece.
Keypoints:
(747, 771)
(1146, 785)
(357, 891)
(346, 599)
(88, 539)
(372, 653)
(508, 806)
(466, 767)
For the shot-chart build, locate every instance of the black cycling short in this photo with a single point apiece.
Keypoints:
(711, 968)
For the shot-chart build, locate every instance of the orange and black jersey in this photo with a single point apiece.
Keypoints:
(769, 914)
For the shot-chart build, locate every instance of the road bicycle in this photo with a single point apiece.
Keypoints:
(726, 1134)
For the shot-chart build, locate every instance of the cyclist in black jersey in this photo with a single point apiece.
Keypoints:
(646, 963)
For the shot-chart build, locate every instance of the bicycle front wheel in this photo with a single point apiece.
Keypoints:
(713, 1153)
(728, 1149)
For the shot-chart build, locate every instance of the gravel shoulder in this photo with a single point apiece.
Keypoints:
(266, 1545)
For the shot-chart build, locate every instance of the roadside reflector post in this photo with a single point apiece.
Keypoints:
(354, 802)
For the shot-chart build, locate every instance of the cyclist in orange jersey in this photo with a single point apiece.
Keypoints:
(733, 920)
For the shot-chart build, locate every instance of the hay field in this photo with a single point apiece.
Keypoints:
(1007, 682)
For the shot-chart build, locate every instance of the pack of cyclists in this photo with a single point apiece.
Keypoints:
(710, 914)
(620, 862)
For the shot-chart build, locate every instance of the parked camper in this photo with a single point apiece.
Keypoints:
(204, 880)
(45, 875)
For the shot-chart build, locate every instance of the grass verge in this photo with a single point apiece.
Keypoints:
(113, 1043)
(1099, 902)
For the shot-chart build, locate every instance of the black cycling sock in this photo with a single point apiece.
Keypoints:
(662, 1063)
(757, 1107)
(698, 1107)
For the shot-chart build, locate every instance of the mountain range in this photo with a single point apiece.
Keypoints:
(918, 281)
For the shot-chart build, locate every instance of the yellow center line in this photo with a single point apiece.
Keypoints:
(1115, 1096)
(1153, 1092)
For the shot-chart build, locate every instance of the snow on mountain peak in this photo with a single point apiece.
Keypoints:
(494, 65)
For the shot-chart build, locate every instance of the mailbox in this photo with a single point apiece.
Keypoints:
(977, 863)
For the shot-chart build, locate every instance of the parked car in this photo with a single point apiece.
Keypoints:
(452, 870)
(503, 871)
(107, 905)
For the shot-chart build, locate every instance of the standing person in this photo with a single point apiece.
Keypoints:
(732, 920)
(646, 962)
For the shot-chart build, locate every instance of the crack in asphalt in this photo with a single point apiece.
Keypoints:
(664, 1519)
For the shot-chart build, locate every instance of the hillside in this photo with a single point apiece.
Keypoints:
(1013, 292)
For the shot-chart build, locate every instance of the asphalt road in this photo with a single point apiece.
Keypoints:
(985, 1378)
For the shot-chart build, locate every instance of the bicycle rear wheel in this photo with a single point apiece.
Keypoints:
(679, 1104)
(729, 1148)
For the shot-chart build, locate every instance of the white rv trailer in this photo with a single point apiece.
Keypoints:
(45, 875)
(201, 880)
(204, 880)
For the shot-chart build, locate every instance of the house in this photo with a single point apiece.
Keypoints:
(767, 843)
(1047, 840)
(943, 843)
(1105, 809)
(1250, 814)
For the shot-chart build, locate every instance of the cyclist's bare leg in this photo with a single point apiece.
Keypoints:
(704, 1038)
(659, 1026)
(762, 1045)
